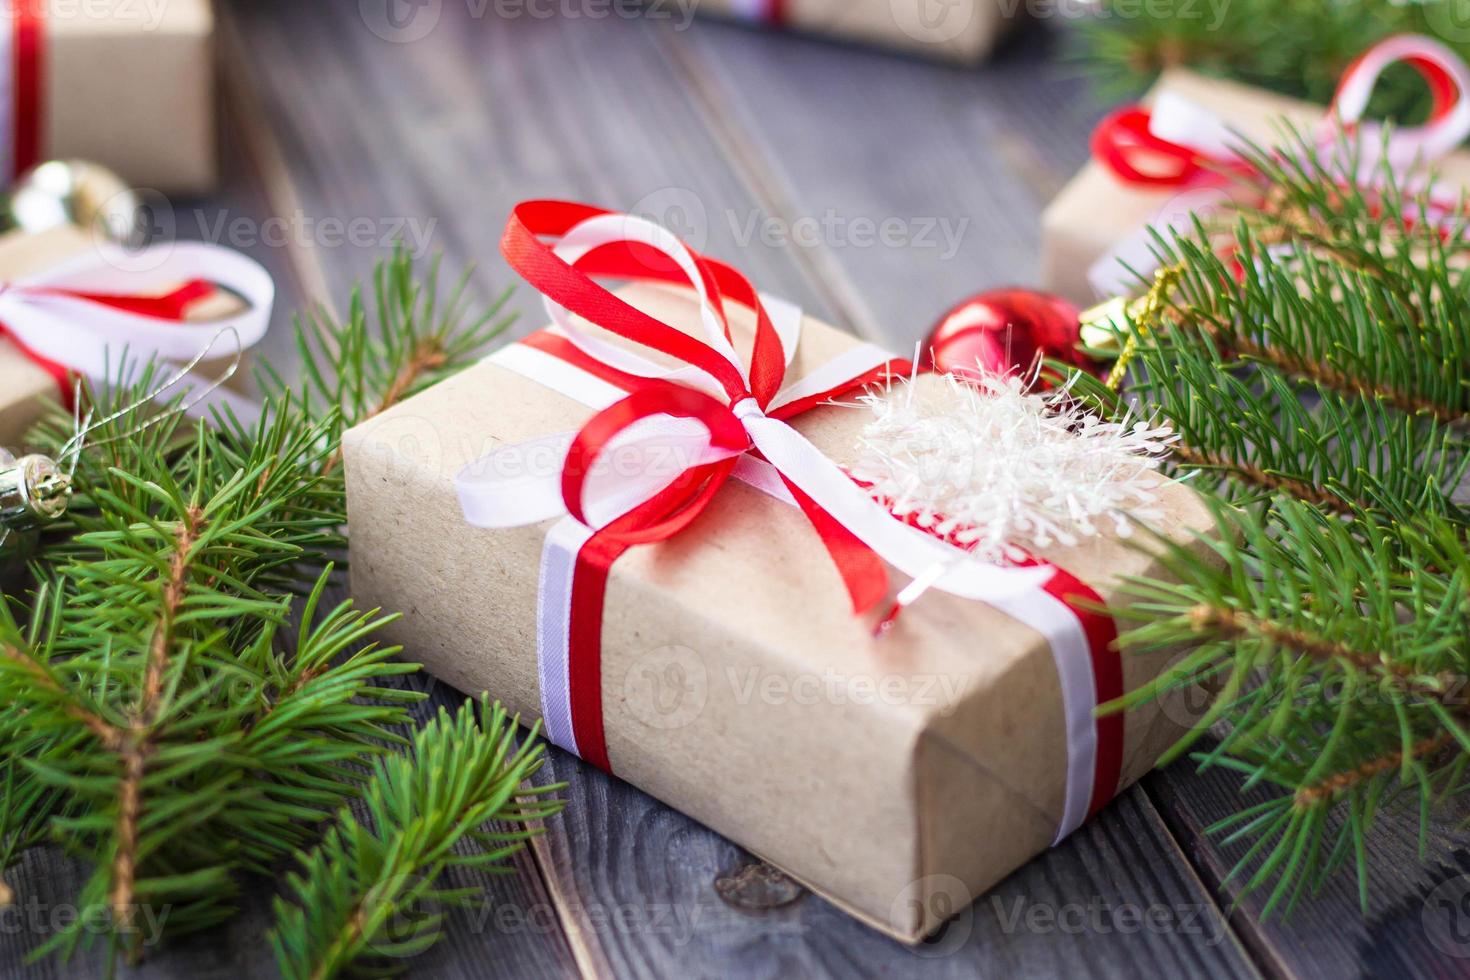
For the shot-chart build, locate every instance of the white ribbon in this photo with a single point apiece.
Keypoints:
(1179, 120)
(520, 484)
(92, 339)
(496, 491)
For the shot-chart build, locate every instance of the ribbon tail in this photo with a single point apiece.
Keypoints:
(909, 550)
(862, 571)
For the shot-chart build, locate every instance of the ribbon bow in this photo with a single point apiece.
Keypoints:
(1182, 146)
(720, 416)
(84, 314)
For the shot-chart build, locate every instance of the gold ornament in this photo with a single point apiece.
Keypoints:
(75, 192)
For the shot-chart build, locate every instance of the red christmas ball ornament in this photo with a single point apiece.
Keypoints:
(1006, 331)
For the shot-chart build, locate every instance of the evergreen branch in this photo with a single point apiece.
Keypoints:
(371, 893)
(1295, 47)
(1333, 365)
(156, 719)
(375, 358)
(1333, 787)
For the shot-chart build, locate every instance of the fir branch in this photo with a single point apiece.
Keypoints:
(1334, 366)
(1296, 47)
(375, 358)
(372, 892)
(157, 719)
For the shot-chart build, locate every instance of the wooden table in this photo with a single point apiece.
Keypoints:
(779, 153)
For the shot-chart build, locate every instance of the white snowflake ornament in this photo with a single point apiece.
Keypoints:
(1002, 470)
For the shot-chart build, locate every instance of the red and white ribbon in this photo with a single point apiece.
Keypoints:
(86, 314)
(1181, 146)
(22, 86)
(688, 422)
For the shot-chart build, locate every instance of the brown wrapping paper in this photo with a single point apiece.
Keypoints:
(27, 390)
(964, 31)
(131, 86)
(899, 777)
(1096, 210)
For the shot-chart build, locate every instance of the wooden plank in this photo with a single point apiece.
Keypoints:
(476, 116)
(1418, 921)
(451, 130)
(960, 163)
(644, 885)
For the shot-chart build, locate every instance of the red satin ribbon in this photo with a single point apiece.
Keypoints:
(172, 306)
(1101, 631)
(572, 286)
(1125, 144)
(679, 504)
(1107, 679)
(28, 22)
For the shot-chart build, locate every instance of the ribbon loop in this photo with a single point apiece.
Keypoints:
(86, 313)
(859, 533)
(1180, 144)
(1448, 79)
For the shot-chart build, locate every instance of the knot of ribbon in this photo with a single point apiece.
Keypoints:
(85, 314)
(698, 415)
(1180, 144)
(679, 414)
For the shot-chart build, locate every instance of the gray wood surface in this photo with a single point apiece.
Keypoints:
(740, 139)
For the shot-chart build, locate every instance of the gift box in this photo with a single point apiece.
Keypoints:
(129, 85)
(963, 31)
(1097, 217)
(74, 305)
(898, 772)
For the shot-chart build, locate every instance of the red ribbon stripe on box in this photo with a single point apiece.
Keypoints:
(729, 420)
(23, 69)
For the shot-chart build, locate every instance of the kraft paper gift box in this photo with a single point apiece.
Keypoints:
(963, 31)
(1097, 209)
(27, 390)
(900, 777)
(124, 83)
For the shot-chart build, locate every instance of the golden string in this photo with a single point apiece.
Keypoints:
(1145, 312)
